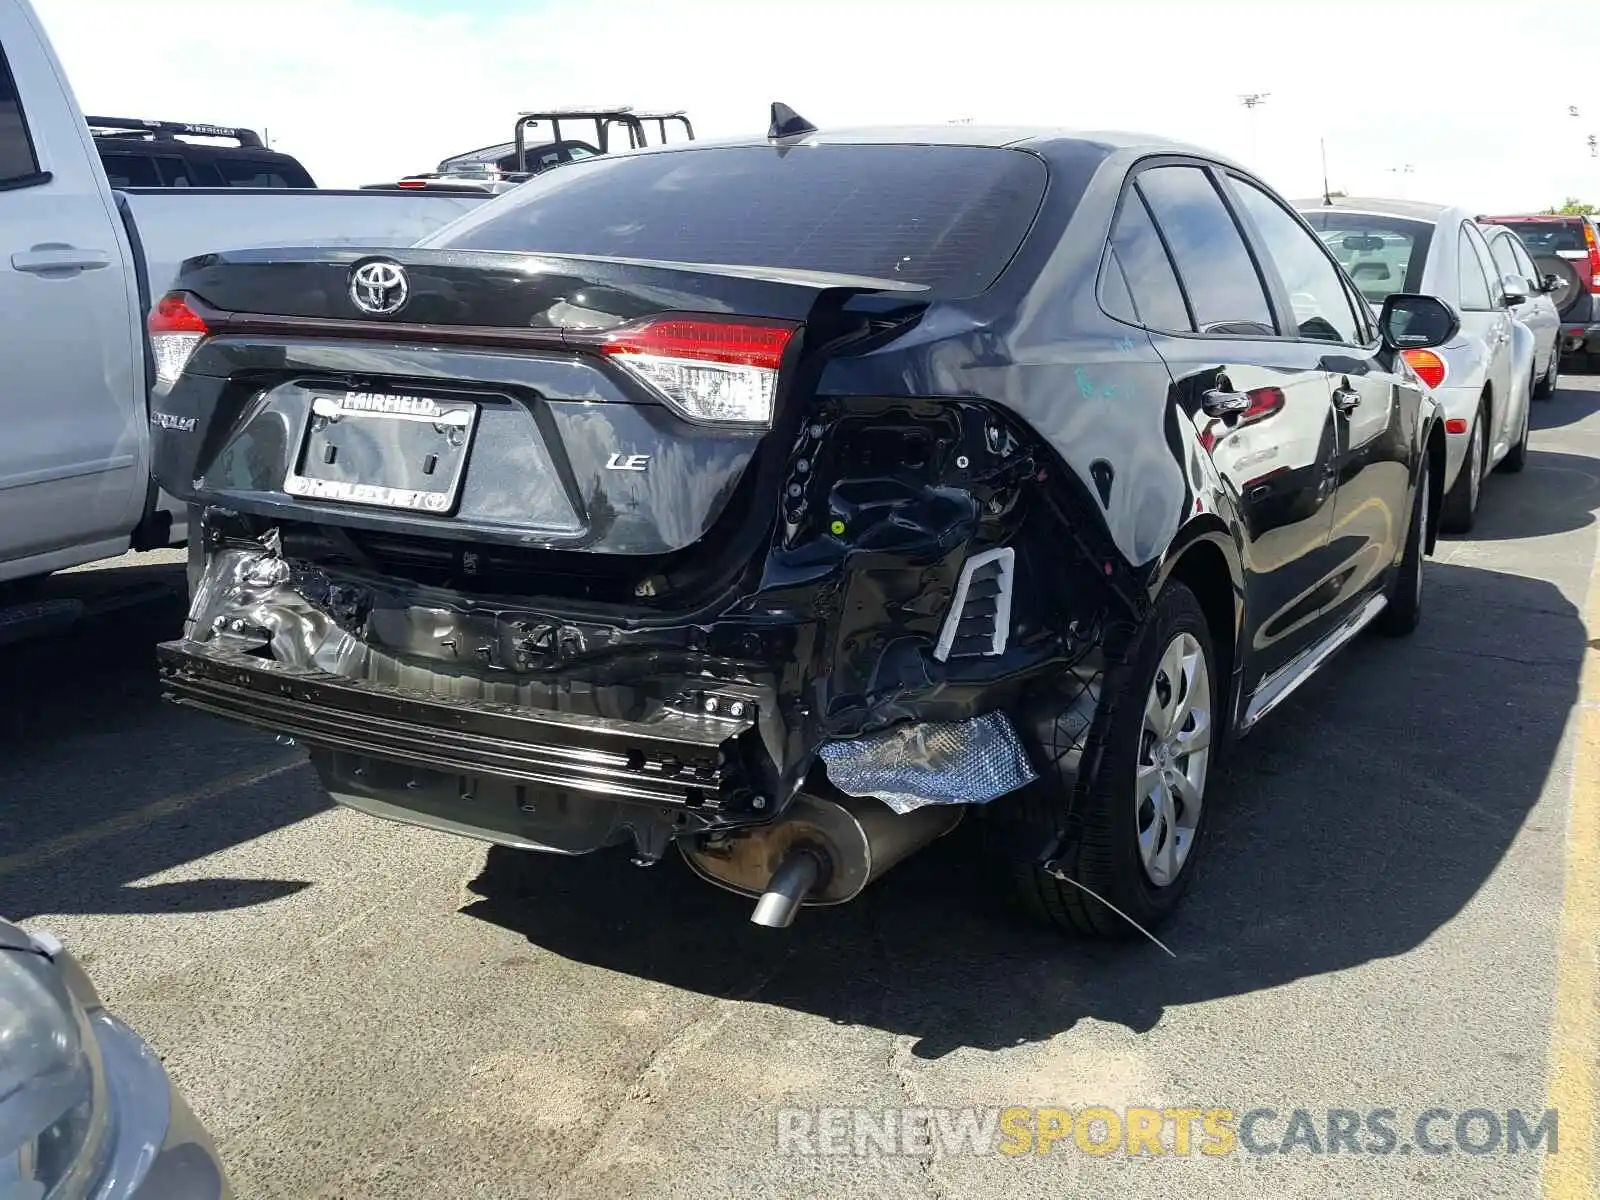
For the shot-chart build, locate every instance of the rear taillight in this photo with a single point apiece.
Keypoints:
(1594, 257)
(175, 331)
(709, 370)
(1429, 366)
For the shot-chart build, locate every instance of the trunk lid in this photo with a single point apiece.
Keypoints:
(424, 399)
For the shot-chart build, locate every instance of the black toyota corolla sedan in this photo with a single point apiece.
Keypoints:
(790, 500)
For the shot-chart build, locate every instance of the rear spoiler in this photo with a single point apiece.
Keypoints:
(170, 130)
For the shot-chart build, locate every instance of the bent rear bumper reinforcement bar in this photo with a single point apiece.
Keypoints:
(675, 758)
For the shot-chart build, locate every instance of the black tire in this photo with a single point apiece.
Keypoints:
(1551, 379)
(1461, 502)
(1404, 610)
(1103, 852)
(1517, 457)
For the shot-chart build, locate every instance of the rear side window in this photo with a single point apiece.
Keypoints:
(1474, 280)
(947, 217)
(1217, 272)
(17, 159)
(1141, 260)
(130, 171)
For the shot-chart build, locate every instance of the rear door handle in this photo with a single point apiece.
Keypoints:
(59, 260)
(1346, 399)
(1218, 403)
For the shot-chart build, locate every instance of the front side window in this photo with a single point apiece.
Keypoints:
(1317, 295)
(1218, 274)
(1505, 258)
(1525, 265)
(1474, 279)
(17, 159)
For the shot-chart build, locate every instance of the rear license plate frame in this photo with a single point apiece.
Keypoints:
(352, 422)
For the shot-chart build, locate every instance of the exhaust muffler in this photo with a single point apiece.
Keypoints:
(825, 850)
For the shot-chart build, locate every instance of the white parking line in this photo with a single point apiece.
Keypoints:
(123, 822)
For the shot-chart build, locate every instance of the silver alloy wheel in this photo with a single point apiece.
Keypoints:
(1174, 753)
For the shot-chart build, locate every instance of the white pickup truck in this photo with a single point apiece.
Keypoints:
(79, 263)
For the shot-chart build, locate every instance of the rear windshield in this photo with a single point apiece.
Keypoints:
(1382, 254)
(948, 217)
(1546, 237)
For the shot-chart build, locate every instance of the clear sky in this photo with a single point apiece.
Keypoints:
(1465, 101)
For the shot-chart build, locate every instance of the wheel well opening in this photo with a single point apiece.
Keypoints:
(1203, 569)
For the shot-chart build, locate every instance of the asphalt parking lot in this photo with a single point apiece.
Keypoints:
(365, 1010)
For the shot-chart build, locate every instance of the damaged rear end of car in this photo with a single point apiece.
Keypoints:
(569, 551)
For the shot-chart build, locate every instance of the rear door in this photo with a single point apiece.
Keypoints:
(1484, 315)
(1217, 329)
(1375, 405)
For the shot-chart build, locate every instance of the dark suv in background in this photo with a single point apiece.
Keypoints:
(156, 154)
(1568, 248)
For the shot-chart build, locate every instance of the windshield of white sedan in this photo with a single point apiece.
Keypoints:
(1382, 254)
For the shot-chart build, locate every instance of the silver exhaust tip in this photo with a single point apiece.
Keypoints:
(790, 884)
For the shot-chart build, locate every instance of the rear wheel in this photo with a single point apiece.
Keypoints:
(1517, 457)
(1143, 819)
(1461, 503)
(1552, 374)
(1404, 610)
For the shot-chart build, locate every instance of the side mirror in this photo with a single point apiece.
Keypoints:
(1550, 283)
(1413, 322)
(1513, 291)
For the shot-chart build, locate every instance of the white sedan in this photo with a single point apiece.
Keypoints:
(1482, 377)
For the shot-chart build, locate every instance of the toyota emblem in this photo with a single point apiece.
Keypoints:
(379, 288)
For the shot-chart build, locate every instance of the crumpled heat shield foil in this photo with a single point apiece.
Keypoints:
(911, 766)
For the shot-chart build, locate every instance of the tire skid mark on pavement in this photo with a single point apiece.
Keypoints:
(1569, 1174)
(10, 864)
